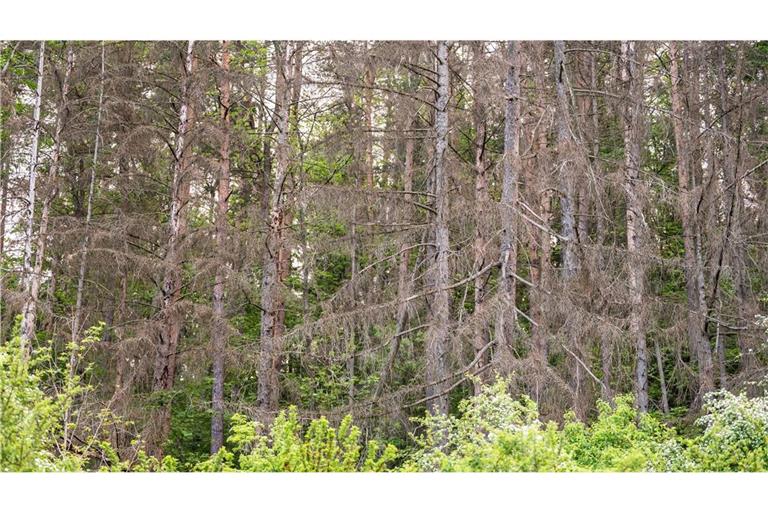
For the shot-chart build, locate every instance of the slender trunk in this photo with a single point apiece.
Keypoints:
(85, 246)
(565, 164)
(437, 334)
(632, 76)
(219, 324)
(733, 243)
(29, 313)
(604, 341)
(52, 187)
(52, 182)
(506, 325)
(541, 239)
(86, 242)
(481, 336)
(3, 211)
(270, 356)
(693, 272)
(403, 279)
(720, 350)
(662, 380)
(171, 293)
(4, 175)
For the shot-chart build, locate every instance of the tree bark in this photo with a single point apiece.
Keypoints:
(85, 245)
(632, 76)
(403, 279)
(29, 313)
(35, 279)
(270, 356)
(86, 242)
(696, 315)
(565, 156)
(481, 336)
(437, 333)
(171, 293)
(219, 324)
(662, 380)
(507, 320)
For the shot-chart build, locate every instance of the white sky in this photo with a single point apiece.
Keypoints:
(384, 19)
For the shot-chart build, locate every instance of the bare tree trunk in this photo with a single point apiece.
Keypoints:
(29, 313)
(219, 324)
(481, 335)
(403, 279)
(632, 76)
(30, 306)
(270, 356)
(733, 242)
(4, 175)
(720, 350)
(85, 246)
(662, 380)
(3, 210)
(170, 308)
(693, 270)
(604, 342)
(437, 333)
(506, 327)
(541, 240)
(565, 156)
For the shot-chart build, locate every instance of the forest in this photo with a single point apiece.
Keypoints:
(414, 256)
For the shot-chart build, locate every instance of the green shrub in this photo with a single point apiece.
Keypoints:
(735, 436)
(288, 448)
(31, 420)
(493, 432)
(620, 439)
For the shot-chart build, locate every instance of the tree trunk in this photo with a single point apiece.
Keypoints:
(219, 324)
(403, 279)
(507, 321)
(565, 156)
(662, 380)
(481, 336)
(29, 313)
(439, 328)
(35, 280)
(85, 245)
(693, 272)
(632, 76)
(4, 175)
(733, 243)
(270, 356)
(171, 293)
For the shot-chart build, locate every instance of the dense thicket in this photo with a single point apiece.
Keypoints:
(197, 235)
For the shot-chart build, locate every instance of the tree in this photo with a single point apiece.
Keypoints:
(219, 326)
(633, 61)
(170, 314)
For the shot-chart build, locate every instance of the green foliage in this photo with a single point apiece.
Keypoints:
(494, 432)
(30, 417)
(735, 434)
(621, 439)
(287, 447)
(141, 462)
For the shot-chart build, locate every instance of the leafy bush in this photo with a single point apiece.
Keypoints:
(287, 448)
(620, 439)
(493, 432)
(31, 419)
(735, 436)
(141, 462)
